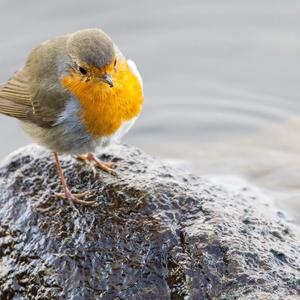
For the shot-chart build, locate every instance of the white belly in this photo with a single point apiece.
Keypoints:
(116, 137)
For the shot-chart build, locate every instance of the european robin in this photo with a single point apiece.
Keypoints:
(75, 92)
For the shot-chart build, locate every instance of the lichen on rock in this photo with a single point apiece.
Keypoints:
(155, 233)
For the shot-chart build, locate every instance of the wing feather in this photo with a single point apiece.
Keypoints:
(15, 97)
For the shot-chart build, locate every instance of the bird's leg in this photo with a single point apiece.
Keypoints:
(94, 162)
(67, 195)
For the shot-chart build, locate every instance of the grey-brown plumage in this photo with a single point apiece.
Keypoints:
(95, 48)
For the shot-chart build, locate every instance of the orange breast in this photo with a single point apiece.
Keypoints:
(104, 109)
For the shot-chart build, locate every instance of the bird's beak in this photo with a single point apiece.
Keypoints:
(107, 79)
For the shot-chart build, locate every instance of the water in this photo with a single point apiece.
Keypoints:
(221, 80)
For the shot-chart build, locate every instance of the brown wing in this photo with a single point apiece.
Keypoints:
(15, 97)
(39, 106)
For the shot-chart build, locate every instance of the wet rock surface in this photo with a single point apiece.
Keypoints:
(156, 233)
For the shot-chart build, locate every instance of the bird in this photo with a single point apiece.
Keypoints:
(75, 92)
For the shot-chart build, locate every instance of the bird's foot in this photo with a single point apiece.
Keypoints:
(95, 162)
(75, 198)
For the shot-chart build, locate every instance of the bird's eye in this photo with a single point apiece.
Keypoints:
(82, 70)
(115, 62)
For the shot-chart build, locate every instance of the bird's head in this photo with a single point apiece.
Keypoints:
(92, 56)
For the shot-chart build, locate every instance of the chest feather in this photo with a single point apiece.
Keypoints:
(104, 109)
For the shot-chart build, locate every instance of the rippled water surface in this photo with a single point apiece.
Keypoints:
(221, 80)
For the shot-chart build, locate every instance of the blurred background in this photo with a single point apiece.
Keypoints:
(221, 80)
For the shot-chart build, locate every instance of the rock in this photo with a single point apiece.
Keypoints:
(156, 233)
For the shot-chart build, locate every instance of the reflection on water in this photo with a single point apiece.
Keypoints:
(221, 79)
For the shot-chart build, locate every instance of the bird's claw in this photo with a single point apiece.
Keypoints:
(94, 163)
(75, 198)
